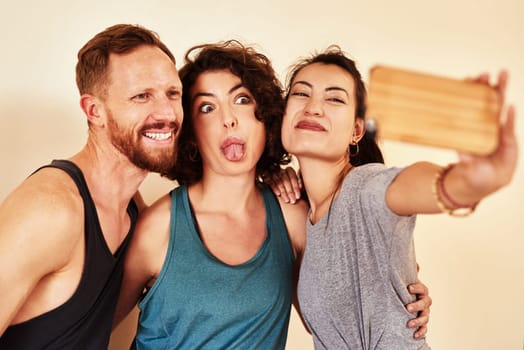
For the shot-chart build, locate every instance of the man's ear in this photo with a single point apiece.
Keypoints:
(359, 130)
(91, 107)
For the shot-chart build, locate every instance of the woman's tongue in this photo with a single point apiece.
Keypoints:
(233, 152)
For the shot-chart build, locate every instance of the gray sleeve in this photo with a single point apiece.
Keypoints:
(375, 180)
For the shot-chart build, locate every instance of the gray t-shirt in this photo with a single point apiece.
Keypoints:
(359, 258)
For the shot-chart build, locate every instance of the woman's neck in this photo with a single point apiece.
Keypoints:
(230, 193)
(322, 181)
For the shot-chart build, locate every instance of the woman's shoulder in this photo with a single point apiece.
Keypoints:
(374, 170)
(370, 177)
(295, 218)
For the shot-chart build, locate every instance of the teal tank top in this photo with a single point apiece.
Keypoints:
(198, 302)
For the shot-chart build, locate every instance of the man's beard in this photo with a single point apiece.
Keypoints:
(154, 160)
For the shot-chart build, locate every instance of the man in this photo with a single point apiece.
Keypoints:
(64, 231)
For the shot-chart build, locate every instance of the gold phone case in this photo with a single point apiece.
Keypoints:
(435, 111)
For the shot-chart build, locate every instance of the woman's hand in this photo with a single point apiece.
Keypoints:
(286, 184)
(489, 173)
(475, 177)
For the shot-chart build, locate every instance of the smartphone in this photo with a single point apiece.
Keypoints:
(433, 110)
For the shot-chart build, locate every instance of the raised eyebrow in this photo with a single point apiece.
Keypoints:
(236, 87)
(209, 94)
(201, 94)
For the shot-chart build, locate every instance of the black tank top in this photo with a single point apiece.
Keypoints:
(84, 321)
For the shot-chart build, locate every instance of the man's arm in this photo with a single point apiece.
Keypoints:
(37, 237)
(421, 305)
(145, 256)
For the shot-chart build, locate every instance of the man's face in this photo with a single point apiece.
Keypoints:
(144, 108)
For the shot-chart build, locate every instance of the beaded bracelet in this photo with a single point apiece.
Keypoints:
(440, 193)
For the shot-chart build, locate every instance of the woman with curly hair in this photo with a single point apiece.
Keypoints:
(216, 255)
(219, 254)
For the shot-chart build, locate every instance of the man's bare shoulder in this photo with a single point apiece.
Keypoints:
(46, 208)
(41, 234)
(47, 190)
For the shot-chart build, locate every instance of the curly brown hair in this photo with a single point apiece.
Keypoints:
(258, 76)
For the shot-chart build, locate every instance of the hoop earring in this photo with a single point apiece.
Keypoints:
(356, 150)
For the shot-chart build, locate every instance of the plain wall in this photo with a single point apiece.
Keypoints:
(474, 267)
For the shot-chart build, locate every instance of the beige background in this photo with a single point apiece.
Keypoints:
(474, 267)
